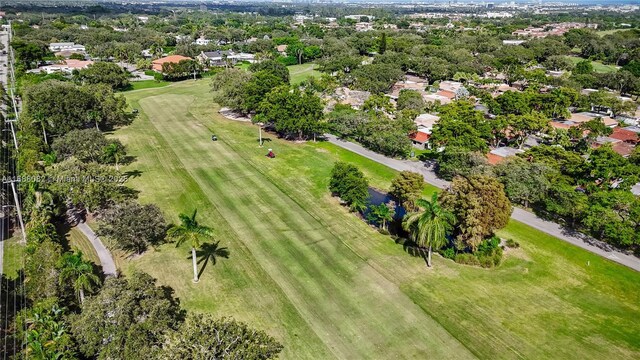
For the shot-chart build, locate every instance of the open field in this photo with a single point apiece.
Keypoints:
(609, 32)
(326, 284)
(597, 66)
(300, 73)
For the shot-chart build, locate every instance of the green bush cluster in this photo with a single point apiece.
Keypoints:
(350, 184)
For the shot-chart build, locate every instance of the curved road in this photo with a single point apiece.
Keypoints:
(106, 260)
(518, 214)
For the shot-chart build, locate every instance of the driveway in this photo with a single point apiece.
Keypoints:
(518, 214)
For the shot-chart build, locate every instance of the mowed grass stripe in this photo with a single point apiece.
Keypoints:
(236, 287)
(193, 143)
(509, 309)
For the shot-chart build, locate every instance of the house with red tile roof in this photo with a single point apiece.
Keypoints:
(157, 64)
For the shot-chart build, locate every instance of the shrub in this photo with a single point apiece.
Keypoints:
(350, 184)
(384, 231)
(467, 259)
(449, 253)
(512, 244)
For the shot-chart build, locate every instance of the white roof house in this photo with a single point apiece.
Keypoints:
(202, 41)
(66, 46)
(426, 121)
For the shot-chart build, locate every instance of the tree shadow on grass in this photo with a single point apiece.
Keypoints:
(210, 252)
(411, 248)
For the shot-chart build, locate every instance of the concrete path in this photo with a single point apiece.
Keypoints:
(518, 214)
(106, 260)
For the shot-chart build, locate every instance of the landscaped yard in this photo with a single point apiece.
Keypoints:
(327, 285)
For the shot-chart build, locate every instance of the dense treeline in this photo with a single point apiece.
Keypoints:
(73, 170)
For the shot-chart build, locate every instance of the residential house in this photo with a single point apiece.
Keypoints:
(364, 26)
(282, 49)
(201, 41)
(223, 58)
(513, 42)
(66, 46)
(420, 139)
(498, 155)
(66, 66)
(583, 117)
(410, 82)
(353, 98)
(156, 65)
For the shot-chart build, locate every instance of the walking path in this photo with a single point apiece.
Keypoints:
(518, 214)
(108, 266)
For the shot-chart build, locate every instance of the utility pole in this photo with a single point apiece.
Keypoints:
(260, 133)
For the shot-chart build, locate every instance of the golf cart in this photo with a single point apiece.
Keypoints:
(214, 137)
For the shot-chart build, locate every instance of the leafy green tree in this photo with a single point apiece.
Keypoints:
(377, 78)
(523, 126)
(381, 214)
(378, 104)
(113, 153)
(271, 67)
(104, 73)
(127, 319)
(45, 332)
(86, 185)
(133, 226)
(480, 205)
(78, 271)
(462, 126)
(565, 201)
(204, 337)
(192, 232)
(350, 184)
(407, 187)
(558, 63)
(430, 225)
(255, 90)
(410, 99)
(583, 67)
(524, 182)
(183, 69)
(292, 112)
(607, 169)
(76, 107)
(382, 46)
(455, 161)
(41, 271)
(29, 54)
(228, 88)
(85, 145)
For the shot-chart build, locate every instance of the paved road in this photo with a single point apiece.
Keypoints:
(108, 266)
(518, 214)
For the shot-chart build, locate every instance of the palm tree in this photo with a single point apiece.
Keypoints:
(114, 151)
(189, 230)
(74, 268)
(39, 118)
(429, 227)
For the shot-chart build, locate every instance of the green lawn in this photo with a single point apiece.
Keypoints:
(13, 259)
(78, 242)
(326, 284)
(299, 73)
(597, 66)
(147, 84)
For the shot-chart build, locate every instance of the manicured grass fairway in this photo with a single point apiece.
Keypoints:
(328, 286)
(300, 73)
(597, 66)
(147, 84)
